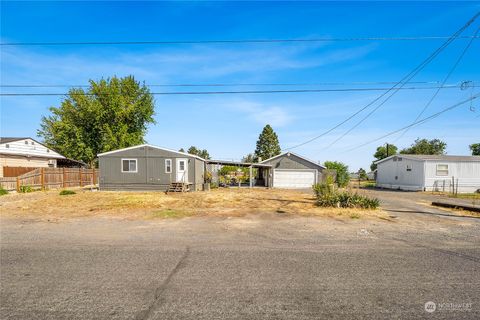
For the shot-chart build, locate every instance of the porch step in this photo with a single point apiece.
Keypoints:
(177, 187)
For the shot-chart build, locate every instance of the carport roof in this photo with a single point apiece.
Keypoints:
(239, 164)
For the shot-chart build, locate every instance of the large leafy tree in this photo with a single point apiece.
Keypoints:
(343, 177)
(201, 153)
(267, 144)
(382, 152)
(110, 114)
(475, 148)
(425, 146)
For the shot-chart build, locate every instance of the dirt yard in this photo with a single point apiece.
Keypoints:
(49, 205)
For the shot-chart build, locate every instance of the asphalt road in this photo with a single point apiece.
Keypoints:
(256, 267)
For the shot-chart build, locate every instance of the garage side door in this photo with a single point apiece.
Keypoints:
(293, 179)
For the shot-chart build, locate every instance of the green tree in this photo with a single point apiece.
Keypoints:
(267, 144)
(204, 154)
(249, 158)
(201, 153)
(475, 148)
(181, 150)
(193, 150)
(110, 114)
(424, 146)
(362, 174)
(381, 153)
(343, 177)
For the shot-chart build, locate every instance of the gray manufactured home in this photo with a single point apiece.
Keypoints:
(147, 167)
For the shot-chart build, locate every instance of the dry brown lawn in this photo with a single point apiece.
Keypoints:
(134, 205)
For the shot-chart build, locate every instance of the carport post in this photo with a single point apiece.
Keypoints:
(251, 182)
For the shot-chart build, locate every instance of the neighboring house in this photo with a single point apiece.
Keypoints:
(429, 172)
(20, 155)
(291, 171)
(147, 167)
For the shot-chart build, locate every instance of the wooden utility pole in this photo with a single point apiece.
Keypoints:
(18, 184)
(64, 183)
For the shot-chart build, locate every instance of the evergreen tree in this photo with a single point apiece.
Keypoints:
(267, 144)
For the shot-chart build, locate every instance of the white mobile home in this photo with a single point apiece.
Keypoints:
(429, 173)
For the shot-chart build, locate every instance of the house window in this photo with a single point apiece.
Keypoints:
(129, 165)
(7, 146)
(409, 167)
(442, 169)
(168, 165)
(182, 165)
(32, 143)
(26, 142)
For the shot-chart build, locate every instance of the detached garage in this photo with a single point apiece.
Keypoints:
(291, 171)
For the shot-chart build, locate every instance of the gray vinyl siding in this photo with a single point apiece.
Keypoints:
(150, 173)
(294, 163)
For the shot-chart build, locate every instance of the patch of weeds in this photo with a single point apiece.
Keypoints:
(66, 192)
(328, 197)
(169, 213)
(3, 191)
(354, 216)
(26, 189)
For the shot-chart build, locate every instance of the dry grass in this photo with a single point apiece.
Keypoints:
(133, 205)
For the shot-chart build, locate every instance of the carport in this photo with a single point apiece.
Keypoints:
(263, 169)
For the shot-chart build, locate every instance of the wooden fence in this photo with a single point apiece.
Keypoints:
(16, 171)
(8, 183)
(53, 178)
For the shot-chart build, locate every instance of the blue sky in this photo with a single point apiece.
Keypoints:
(228, 125)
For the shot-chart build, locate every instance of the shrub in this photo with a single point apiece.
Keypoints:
(321, 189)
(66, 192)
(346, 199)
(26, 189)
(3, 191)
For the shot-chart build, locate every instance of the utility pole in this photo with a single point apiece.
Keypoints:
(387, 149)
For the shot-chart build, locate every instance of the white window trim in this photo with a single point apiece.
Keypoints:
(441, 175)
(166, 166)
(129, 159)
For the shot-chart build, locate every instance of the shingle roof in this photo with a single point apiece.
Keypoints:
(11, 139)
(432, 157)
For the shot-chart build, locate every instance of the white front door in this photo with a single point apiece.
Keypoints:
(182, 170)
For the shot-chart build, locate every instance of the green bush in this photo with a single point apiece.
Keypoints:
(26, 189)
(321, 189)
(3, 191)
(66, 192)
(345, 199)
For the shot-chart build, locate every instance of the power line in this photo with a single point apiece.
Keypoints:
(391, 95)
(402, 82)
(11, 94)
(218, 84)
(443, 82)
(252, 41)
(418, 122)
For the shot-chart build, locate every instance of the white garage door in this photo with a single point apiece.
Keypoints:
(291, 179)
